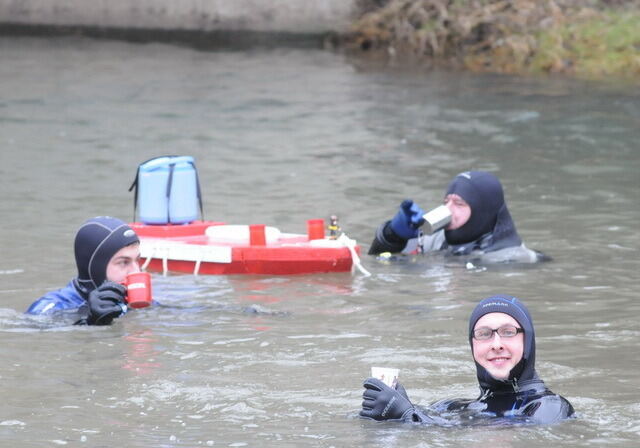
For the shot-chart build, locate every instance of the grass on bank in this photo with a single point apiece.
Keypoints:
(583, 38)
(604, 45)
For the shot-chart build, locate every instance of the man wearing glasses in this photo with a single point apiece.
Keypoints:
(502, 342)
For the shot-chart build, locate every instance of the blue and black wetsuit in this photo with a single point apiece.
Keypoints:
(68, 304)
(65, 302)
(67, 299)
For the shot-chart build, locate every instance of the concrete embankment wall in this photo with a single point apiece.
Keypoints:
(262, 16)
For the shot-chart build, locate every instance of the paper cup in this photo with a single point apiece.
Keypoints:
(138, 290)
(387, 375)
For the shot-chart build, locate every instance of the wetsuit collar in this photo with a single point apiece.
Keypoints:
(505, 387)
(84, 287)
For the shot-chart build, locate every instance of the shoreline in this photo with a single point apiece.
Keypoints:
(586, 39)
(590, 39)
(200, 40)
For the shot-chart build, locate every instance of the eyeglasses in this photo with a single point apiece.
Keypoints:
(506, 331)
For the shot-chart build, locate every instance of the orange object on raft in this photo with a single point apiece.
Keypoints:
(214, 248)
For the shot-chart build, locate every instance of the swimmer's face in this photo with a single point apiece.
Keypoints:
(124, 262)
(460, 211)
(498, 355)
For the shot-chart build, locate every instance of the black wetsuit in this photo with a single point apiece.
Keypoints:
(532, 403)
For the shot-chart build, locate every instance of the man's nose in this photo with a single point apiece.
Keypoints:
(449, 204)
(496, 341)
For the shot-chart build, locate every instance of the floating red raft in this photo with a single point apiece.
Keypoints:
(208, 247)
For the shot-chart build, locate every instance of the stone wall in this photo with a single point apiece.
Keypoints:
(278, 16)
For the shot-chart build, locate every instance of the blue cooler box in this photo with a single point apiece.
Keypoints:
(168, 191)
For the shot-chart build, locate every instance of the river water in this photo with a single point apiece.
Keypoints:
(281, 136)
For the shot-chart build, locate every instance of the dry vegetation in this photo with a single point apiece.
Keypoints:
(588, 38)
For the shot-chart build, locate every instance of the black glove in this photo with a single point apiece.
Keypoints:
(106, 303)
(380, 402)
(401, 390)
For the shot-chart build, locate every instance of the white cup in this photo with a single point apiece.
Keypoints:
(387, 375)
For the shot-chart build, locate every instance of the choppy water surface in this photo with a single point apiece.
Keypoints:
(282, 136)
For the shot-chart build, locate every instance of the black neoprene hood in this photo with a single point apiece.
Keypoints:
(483, 192)
(525, 369)
(96, 242)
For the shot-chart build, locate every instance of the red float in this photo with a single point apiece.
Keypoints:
(213, 248)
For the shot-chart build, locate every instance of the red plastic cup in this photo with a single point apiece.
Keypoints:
(315, 229)
(138, 289)
(257, 235)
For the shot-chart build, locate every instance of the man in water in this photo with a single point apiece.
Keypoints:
(106, 251)
(480, 224)
(503, 345)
